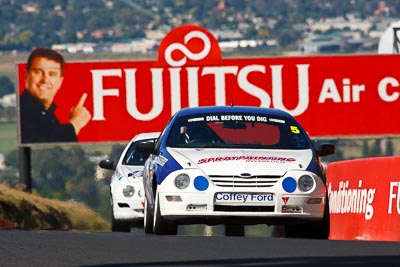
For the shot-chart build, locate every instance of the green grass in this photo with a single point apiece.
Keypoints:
(8, 137)
(31, 211)
(8, 141)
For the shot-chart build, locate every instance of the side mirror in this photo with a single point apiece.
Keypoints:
(107, 164)
(326, 149)
(146, 147)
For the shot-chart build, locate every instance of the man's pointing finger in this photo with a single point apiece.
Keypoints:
(82, 100)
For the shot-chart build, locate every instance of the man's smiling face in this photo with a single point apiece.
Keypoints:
(44, 79)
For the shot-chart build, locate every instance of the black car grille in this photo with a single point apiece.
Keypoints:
(238, 181)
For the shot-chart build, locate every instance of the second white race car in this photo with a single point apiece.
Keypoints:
(126, 186)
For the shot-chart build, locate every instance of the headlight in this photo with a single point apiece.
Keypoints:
(128, 191)
(140, 194)
(306, 183)
(182, 181)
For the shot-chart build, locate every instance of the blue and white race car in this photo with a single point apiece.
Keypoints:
(235, 166)
(126, 186)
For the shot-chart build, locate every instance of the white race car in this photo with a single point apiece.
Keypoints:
(235, 166)
(126, 187)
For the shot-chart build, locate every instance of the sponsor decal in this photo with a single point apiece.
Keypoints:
(351, 200)
(161, 160)
(289, 184)
(137, 174)
(235, 117)
(285, 199)
(201, 183)
(244, 197)
(246, 159)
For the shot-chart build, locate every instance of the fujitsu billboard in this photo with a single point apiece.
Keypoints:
(331, 96)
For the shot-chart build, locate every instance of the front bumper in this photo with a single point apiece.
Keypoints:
(123, 207)
(127, 209)
(270, 205)
(200, 208)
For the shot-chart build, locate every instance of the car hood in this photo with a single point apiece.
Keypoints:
(126, 170)
(242, 161)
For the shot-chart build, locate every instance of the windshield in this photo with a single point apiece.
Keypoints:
(237, 131)
(133, 157)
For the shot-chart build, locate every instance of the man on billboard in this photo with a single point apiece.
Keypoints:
(43, 79)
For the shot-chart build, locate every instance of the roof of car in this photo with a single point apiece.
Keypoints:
(227, 109)
(143, 136)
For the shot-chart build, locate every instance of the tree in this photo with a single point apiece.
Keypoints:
(64, 174)
(25, 38)
(288, 37)
(365, 148)
(8, 113)
(10, 174)
(9, 41)
(6, 86)
(376, 148)
(116, 151)
(389, 151)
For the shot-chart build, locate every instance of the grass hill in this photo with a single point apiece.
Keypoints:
(29, 211)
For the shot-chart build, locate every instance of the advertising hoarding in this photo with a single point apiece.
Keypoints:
(331, 96)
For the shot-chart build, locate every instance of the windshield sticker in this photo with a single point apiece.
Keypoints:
(295, 129)
(247, 159)
(236, 117)
(195, 119)
(277, 120)
(161, 160)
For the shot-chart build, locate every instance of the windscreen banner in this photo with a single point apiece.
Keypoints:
(331, 96)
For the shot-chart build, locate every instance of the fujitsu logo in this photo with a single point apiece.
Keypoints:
(190, 72)
(186, 51)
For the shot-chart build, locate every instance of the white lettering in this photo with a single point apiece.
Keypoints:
(382, 89)
(329, 91)
(303, 89)
(194, 74)
(251, 89)
(351, 93)
(157, 93)
(99, 91)
(175, 79)
(249, 118)
(394, 196)
(193, 86)
(357, 89)
(219, 74)
(346, 200)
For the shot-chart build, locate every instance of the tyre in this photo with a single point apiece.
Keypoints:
(234, 230)
(162, 226)
(148, 218)
(315, 230)
(119, 226)
(137, 223)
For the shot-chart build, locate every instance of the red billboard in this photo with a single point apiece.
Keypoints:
(331, 96)
(364, 199)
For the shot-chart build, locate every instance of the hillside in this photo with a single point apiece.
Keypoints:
(26, 24)
(29, 211)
